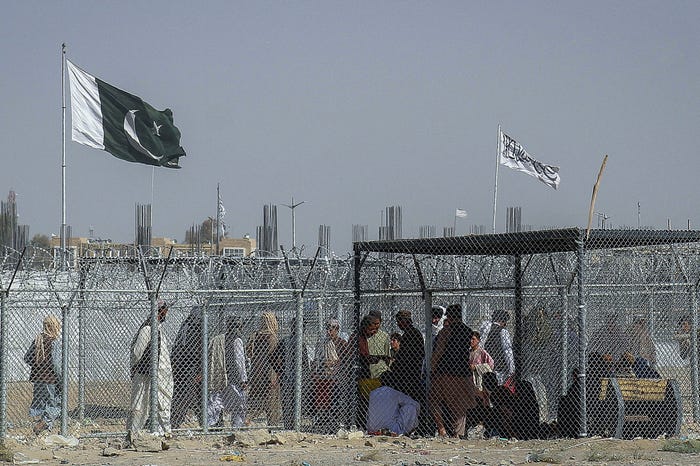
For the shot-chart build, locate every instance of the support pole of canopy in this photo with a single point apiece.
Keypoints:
(356, 327)
(694, 351)
(428, 326)
(564, 339)
(581, 339)
(518, 292)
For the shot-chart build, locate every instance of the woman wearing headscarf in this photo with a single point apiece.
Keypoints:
(186, 359)
(44, 358)
(264, 394)
(328, 379)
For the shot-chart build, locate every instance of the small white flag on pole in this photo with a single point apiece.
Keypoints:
(513, 155)
(221, 215)
(461, 213)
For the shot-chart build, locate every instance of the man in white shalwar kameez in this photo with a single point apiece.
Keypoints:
(141, 383)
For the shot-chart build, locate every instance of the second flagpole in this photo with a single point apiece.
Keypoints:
(218, 216)
(63, 157)
(495, 183)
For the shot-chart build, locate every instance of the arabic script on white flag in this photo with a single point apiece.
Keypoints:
(513, 155)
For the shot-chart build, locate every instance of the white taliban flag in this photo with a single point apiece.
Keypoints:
(221, 214)
(461, 213)
(513, 155)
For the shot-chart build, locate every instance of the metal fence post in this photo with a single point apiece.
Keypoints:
(564, 335)
(583, 432)
(205, 366)
(155, 346)
(81, 350)
(298, 360)
(357, 265)
(3, 365)
(694, 351)
(428, 327)
(65, 335)
(518, 301)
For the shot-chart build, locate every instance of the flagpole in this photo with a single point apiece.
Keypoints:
(150, 210)
(218, 216)
(495, 183)
(63, 156)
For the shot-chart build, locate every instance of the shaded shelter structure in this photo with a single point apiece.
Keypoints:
(558, 286)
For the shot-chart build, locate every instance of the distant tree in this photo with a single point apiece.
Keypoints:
(40, 241)
(39, 253)
(204, 232)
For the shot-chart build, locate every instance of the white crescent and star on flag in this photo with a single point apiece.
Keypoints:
(133, 138)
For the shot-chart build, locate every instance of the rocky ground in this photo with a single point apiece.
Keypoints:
(354, 448)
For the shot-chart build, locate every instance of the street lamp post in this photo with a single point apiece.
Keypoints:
(293, 206)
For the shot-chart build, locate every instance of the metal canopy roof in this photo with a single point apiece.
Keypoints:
(529, 242)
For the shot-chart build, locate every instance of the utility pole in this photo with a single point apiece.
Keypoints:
(639, 215)
(293, 206)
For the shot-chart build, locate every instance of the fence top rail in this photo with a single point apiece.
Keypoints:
(529, 242)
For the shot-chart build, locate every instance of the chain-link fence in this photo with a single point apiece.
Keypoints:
(229, 331)
(477, 335)
(584, 335)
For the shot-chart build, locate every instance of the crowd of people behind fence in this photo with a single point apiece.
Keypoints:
(383, 383)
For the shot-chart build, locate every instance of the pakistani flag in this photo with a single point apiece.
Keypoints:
(110, 119)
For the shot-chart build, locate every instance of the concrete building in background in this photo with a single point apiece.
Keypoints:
(80, 247)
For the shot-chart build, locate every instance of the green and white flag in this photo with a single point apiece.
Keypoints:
(110, 119)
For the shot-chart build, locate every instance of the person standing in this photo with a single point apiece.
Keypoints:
(186, 359)
(284, 362)
(452, 392)
(438, 320)
(228, 379)
(44, 359)
(365, 382)
(496, 340)
(406, 374)
(406, 370)
(480, 361)
(683, 337)
(264, 391)
(140, 359)
(379, 345)
(328, 402)
(641, 344)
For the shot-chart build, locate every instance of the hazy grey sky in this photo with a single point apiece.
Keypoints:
(354, 106)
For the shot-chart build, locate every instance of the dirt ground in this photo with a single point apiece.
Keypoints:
(310, 449)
